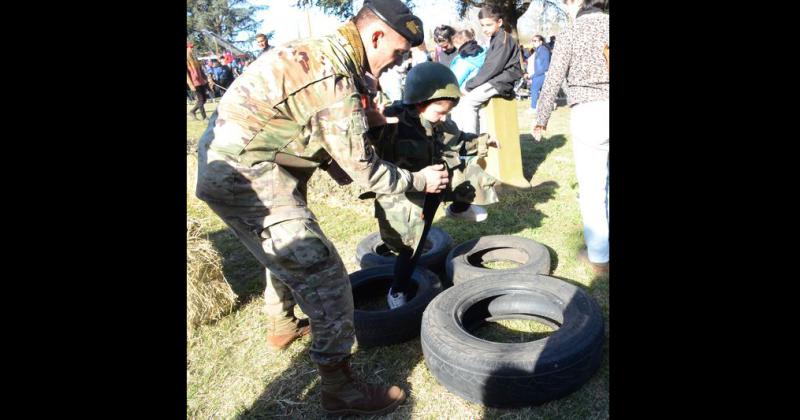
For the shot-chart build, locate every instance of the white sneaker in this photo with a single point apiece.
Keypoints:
(473, 213)
(396, 300)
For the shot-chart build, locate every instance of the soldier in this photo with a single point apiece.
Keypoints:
(299, 107)
(423, 135)
(263, 43)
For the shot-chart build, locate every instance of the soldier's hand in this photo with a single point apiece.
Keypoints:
(436, 178)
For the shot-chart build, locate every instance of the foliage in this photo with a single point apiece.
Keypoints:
(341, 8)
(226, 18)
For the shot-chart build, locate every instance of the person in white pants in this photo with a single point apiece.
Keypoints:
(581, 52)
(590, 139)
(466, 114)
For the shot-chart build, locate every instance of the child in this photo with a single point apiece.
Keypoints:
(497, 76)
(423, 136)
(469, 60)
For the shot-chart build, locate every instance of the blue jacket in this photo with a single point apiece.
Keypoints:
(542, 62)
(222, 75)
(467, 62)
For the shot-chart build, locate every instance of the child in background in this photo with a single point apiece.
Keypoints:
(467, 63)
(498, 75)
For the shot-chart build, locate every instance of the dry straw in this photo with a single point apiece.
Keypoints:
(208, 295)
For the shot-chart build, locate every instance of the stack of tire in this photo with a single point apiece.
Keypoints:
(502, 375)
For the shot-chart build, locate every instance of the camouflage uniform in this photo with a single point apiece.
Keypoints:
(294, 109)
(414, 143)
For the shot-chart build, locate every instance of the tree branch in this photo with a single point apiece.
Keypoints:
(472, 3)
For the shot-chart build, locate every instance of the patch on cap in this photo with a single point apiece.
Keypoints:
(412, 26)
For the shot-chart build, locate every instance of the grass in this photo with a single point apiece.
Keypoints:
(231, 373)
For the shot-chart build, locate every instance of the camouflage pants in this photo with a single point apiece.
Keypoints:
(278, 299)
(302, 263)
(401, 217)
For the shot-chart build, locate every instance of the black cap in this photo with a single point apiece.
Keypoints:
(397, 15)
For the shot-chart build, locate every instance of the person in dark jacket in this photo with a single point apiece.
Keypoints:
(222, 77)
(225, 74)
(498, 75)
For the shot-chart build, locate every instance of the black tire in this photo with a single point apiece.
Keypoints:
(390, 326)
(508, 375)
(463, 262)
(372, 252)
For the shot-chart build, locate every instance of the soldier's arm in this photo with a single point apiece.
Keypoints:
(342, 127)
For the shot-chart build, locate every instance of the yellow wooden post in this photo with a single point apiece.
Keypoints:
(499, 117)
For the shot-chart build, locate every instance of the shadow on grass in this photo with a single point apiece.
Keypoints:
(295, 392)
(534, 153)
(295, 396)
(243, 272)
(285, 395)
(515, 212)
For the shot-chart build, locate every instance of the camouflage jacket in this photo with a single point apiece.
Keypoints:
(414, 143)
(294, 109)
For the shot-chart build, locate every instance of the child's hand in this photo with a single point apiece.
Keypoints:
(382, 107)
(493, 141)
(375, 117)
